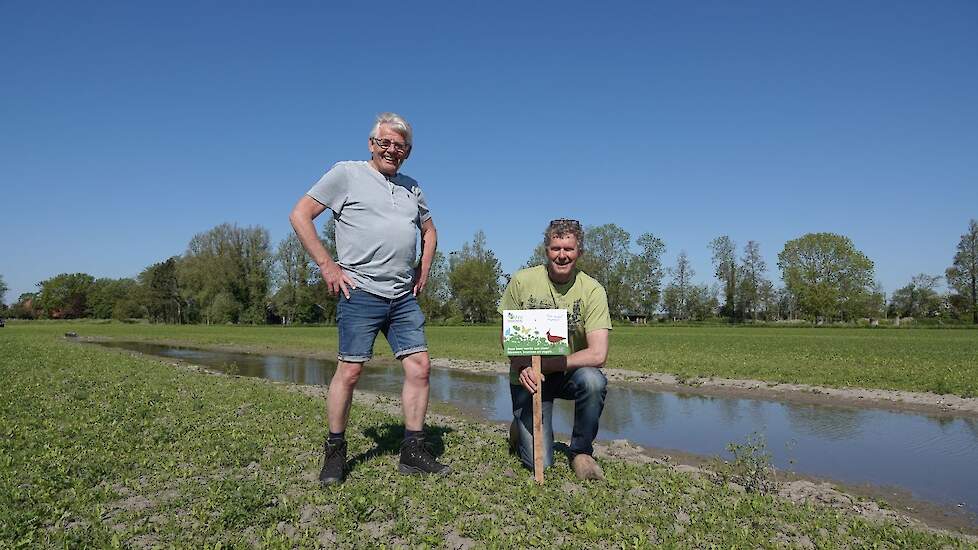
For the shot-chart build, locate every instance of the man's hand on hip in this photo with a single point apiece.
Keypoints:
(336, 279)
(420, 280)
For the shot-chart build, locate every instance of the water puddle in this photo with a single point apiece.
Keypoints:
(932, 457)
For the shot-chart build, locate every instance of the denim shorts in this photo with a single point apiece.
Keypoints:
(360, 317)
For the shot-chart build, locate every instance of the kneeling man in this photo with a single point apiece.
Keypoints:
(577, 377)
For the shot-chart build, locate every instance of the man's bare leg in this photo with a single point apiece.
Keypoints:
(340, 394)
(416, 458)
(414, 395)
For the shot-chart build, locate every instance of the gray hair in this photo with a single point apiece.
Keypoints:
(562, 227)
(396, 122)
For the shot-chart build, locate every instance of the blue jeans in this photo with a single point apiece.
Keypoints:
(363, 315)
(586, 387)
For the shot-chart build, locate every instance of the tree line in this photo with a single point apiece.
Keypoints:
(232, 274)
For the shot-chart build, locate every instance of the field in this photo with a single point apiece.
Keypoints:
(104, 449)
(939, 361)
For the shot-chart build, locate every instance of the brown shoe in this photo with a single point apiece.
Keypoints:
(586, 468)
(514, 437)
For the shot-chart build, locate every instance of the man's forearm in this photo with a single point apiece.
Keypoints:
(429, 243)
(305, 230)
(594, 355)
(560, 363)
(584, 358)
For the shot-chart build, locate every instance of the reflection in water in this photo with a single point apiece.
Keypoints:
(933, 457)
(972, 426)
(651, 415)
(825, 422)
(730, 411)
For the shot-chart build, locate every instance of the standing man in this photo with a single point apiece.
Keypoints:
(577, 377)
(378, 213)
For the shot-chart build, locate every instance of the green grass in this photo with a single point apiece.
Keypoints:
(940, 361)
(104, 449)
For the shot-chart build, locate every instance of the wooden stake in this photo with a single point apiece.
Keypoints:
(538, 422)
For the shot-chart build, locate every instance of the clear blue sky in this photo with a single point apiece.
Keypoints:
(127, 127)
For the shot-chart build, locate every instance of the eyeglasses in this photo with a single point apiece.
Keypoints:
(565, 222)
(399, 146)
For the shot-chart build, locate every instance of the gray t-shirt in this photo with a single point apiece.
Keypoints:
(377, 223)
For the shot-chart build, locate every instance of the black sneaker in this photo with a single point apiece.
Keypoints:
(417, 459)
(334, 461)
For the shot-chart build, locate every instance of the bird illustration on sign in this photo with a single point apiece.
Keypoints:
(554, 339)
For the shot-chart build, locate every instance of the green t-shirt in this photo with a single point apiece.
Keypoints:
(584, 299)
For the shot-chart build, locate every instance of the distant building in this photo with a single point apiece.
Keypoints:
(637, 318)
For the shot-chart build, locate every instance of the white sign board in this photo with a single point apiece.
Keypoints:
(535, 332)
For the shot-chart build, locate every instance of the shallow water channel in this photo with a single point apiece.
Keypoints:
(934, 458)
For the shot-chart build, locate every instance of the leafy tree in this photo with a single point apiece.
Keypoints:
(208, 269)
(917, 299)
(294, 275)
(224, 308)
(767, 301)
(962, 276)
(435, 300)
(65, 296)
(328, 237)
(232, 262)
(129, 307)
(324, 302)
(871, 303)
(753, 287)
(606, 257)
(672, 302)
(646, 273)
(676, 296)
(25, 307)
(106, 294)
(257, 266)
(702, 303)
(828, 277)
(786, 304)
(725, 268)
(159, 293)
(539, 257)
(473, 276)
(3, 290)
